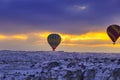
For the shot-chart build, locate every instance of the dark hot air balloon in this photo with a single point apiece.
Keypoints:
(54, 40)
(113, 32)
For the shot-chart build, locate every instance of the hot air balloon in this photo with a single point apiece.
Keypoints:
(113, 32)
(54, 40)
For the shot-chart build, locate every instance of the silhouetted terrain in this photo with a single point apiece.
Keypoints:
(48, 65)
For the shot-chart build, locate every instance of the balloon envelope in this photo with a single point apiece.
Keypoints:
(113, 32)
(54, 40)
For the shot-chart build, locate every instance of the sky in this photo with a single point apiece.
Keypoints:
(25, 24)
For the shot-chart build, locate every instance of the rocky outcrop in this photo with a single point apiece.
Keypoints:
(59, 66)
(115, 74)
(89, 74)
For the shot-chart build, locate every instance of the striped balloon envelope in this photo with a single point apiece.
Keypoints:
(54, 40)
(113, 32)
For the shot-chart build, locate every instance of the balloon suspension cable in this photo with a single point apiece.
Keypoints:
(113, 43)
(53, 49)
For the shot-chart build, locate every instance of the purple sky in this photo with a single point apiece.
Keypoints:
(66, 16)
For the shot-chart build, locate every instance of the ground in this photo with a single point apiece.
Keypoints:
(59, 65)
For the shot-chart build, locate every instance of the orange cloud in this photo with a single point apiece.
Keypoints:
(91, 41)
(42, 34)
(19, 37)
(13, 37)
(2, 37)
(91, 36)
(68, 39)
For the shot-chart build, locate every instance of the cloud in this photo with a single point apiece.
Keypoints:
(66, 38)
(13, 37)
(2, 37)
(80, 7)
(23, 16)
(90, 41)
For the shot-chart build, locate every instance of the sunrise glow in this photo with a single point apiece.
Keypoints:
(19, 37)
(65, 37)
(2, 37)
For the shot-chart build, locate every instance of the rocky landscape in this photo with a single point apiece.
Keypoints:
(48, 65)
